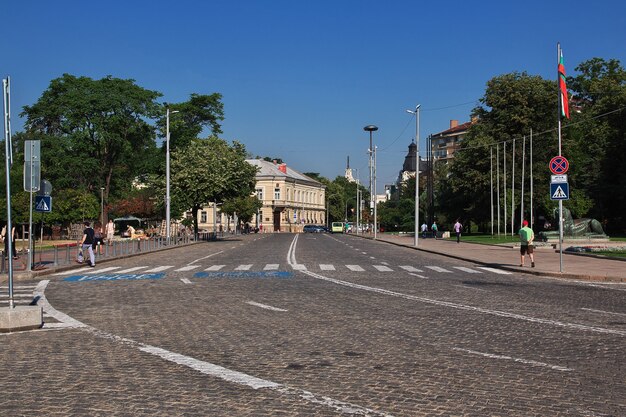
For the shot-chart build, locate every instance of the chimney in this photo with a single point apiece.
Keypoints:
(283, 168)
(454, 123)
(274, 161)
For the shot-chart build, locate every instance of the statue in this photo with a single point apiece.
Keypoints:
(574, 228)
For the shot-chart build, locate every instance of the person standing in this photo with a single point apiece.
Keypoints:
(5, 237)
(527, 236)
(110, 230)
(434, 229)
(87, 243)
(424, 230)
(458, 227)
(98, 240)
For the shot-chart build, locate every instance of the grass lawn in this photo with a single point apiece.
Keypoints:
(486, 239)
(614, 254)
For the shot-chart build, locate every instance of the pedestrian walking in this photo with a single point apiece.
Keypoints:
(433, 228)
(98, 239)
(527, 236)
(110, 231)
(424, 230)
(458, 227)
(5, 238)
(86, 243)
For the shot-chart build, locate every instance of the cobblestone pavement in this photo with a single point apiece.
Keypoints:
(316, 325)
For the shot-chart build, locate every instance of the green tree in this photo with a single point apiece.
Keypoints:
(244, 206)
(208, 170)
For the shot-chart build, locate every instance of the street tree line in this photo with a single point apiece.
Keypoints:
(100, 143)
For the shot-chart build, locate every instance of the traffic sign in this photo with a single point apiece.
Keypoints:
(559, 191)
(558, 165)
(558, 179)
(43, 203)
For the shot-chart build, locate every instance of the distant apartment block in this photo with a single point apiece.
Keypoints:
(445, 144)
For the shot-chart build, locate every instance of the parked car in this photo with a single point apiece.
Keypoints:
(313, 228)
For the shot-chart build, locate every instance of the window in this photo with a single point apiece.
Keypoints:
(259, 193)
(203, 217)
(276, 193)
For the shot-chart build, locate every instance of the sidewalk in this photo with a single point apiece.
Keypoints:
(508, 258)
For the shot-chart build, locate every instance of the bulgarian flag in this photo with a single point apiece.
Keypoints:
(562, 87)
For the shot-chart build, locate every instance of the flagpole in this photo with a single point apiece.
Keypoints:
(558, 58)
(513, 187)
(530, 142)
(521, 211)
(498, 183)
(504, 185)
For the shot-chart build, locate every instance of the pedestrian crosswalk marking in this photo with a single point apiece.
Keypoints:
(271, 267)
(418, 275)
(126, 271)
(495, 271)
(468, 270)
(101, 270)
(355, 268)
(299, 267)
(382, 268)
(71, 271)
(438, 269)
(160, 268)
(187, 268)
(327, 267)
(243, 267)
(215, 267)
(410, 268)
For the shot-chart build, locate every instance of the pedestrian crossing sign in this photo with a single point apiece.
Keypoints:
(43, 203)
(559, 191)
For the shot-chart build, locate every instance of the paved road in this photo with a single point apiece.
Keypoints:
(315, 325)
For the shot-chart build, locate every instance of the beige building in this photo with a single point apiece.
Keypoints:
(290, 200)
(444, 144)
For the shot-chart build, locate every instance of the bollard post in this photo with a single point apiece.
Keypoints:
(56, 255)
(67, 253)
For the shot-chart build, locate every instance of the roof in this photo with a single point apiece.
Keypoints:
(270, 169)
(456, 129)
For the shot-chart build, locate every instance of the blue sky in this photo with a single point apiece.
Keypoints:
(300, 79)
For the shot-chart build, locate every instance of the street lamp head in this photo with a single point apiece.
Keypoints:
(370, 128)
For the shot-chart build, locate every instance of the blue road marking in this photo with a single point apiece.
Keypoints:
(244, 274)
(113, 277)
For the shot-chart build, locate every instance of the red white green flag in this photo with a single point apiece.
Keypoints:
(563, 87)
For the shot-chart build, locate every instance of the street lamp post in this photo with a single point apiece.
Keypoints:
(417, 171)
(167, 173)
(372, 166)
(102, 206)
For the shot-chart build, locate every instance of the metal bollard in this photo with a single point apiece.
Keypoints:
(67, 253)
(56, 255)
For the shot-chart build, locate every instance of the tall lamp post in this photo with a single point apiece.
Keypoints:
(417, 171)
(372, 128)
(167, 173)
(102, 206)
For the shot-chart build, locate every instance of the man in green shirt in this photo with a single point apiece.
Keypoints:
(526, 236)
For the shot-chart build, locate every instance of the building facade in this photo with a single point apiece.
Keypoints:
(290, 201)
(445, 144)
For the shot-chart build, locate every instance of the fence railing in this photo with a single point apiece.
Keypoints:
(67, 254)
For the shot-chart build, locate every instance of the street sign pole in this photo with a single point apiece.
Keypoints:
(32, 170)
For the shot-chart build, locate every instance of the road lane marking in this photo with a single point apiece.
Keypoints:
(185, 280)
(271, 267)
(510, 358)
(603, 312)
(410, 268)
(205, 257)
(438, 269)
(468, 270)
(327, 267)
(418, 275)
(208, 368)
(243, 267)
(572, 326)
(495, 270)
(187, 268)
(215, 267)
(265, 306)
(382, 268)
(160, 268)
(355, 268)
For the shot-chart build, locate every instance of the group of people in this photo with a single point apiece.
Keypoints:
(458, 228)
(93, 238)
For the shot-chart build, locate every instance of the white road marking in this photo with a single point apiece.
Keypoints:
(327, 267)
(265, 306)
(215, 267)
(185, 280)
(126, 271)
(495, 270)
(160, 268)
(382, 268)
(355, 268)
(72, 271)
(299, 267)
(364, 253)
(187, 268)
(468, 270)
(510, 358)
(603, 312)
(438, 269)
(93, 271)
(16, 295)
(385, 263)
(19, 287)
(410, 268)
(418, 275)
(271, 267)
(243, 267)
(572, 326)
(205, 257)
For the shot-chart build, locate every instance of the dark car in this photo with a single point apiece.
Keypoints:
(313, 228)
